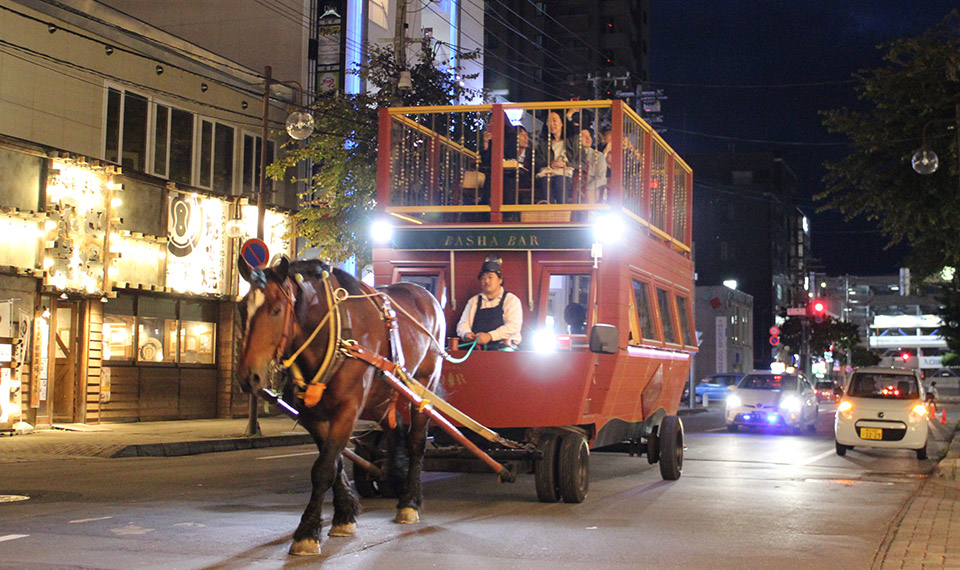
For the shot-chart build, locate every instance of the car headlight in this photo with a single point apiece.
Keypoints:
(845, 409)
(733, 401)
(918, 413)
(790, 403)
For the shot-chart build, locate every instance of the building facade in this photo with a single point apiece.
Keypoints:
(129, 160)
(748, 229)
(724, 319)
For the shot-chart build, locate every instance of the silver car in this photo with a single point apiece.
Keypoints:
(769, 399)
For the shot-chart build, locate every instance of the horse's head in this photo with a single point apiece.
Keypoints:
(267, 317)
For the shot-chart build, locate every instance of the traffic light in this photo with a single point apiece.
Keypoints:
(817, 309)
(905, 356)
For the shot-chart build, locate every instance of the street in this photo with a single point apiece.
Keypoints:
(764, 500)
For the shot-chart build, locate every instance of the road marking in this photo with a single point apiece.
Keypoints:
(289, 455)
(12, 537)
(90, 520)
(810, 460)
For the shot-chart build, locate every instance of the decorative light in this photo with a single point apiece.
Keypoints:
(925, 161)
(299, 125)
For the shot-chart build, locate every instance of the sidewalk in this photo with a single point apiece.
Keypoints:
(149, 439)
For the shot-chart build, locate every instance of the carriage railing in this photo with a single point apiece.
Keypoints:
(492, 163)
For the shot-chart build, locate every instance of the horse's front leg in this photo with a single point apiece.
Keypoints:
(411, 499)
(346, 507)
(306, 539)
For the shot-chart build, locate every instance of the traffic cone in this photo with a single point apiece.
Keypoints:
(943, 417)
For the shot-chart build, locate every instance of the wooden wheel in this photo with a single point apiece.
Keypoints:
(671, 448)
(574, 467)
(545, 469)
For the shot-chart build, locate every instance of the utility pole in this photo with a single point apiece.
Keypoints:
(400, 33)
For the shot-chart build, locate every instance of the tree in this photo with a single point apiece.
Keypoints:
(919, 82)
(341, 196)
(829, 334)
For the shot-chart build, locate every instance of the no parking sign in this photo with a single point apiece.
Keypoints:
(255, 252)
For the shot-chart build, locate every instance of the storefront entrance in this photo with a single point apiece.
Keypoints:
(65, 396)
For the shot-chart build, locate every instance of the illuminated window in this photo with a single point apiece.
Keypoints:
(642, 298)
(197, 332)
(118, 328)
(568, 295)
(156, 330)
(666, 317)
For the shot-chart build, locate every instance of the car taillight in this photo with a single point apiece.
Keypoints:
(918, 413)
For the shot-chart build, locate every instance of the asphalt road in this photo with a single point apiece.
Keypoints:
(745, 500)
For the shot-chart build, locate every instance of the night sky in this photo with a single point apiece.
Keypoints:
(753, 75)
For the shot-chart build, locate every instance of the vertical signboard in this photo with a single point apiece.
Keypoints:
(721, 343)
(195, 245)
(330, 43)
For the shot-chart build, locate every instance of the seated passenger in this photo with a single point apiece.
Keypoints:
(556, 160)
(494, 317)
(595, 169)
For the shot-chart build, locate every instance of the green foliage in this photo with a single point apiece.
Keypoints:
(862, 356)
(829, 333)
(950, 316)
(919, 82)
(341, 198)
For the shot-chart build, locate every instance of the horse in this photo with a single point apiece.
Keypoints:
(285, 311)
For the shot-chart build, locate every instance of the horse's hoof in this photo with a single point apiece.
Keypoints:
(408, 515)
(305, 547)
(345, 529)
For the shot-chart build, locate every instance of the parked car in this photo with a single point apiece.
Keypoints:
(768, 399)
(883, 407)
(716, 386)
(827, 391)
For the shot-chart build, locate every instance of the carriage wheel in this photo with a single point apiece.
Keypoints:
(653, 448)
(574, 467)
(368, 485)
(545, 469)
(671, 448)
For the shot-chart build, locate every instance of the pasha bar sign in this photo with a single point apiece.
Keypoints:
(566, 238)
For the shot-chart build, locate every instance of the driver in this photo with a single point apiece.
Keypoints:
(493, 317)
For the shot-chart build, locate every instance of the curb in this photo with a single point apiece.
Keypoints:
(177, 449)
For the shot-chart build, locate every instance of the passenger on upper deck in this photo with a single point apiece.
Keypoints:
(556, 160)
(493, 317)
(595, 169)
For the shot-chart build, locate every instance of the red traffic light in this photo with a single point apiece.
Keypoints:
(905, 356)
(818, 307)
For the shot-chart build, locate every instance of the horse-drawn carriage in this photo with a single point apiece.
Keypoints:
(603, 272)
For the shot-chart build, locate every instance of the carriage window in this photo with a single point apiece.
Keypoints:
(118, 328)
(686, 331)
(197, 332)
(157, 330)
(642, 298)
(431, 279)
(567, 303)
(666, 317)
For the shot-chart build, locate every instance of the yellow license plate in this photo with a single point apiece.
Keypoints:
(871, 433)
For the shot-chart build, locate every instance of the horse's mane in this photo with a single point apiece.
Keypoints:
(314, 268)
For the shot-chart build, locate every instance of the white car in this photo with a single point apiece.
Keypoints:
(882, 407)
(764, 398)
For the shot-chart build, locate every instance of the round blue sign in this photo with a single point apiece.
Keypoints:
(255, 252)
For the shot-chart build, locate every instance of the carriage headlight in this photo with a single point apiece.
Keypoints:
(544, 341)
(381, 231)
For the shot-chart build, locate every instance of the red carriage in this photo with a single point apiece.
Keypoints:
(600, 261)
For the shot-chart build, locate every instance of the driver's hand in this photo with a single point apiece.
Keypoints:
(483, 338)
(470, 336)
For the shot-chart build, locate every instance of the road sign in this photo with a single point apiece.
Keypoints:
(774, 340)
(774, 330)
(796, 311)
(255, 253)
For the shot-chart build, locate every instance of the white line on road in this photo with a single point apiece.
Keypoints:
(91, 520)
(817, 457)
(12, 537)
(289, 455)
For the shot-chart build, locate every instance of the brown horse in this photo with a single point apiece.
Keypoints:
(285, 305)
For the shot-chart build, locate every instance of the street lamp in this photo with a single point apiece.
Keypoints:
(925, 161)
(299, 126)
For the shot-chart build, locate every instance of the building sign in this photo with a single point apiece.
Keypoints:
(196, 243)
(76, 226)
(38, 385)
(496, 238)
(721, 340)
(330, 41)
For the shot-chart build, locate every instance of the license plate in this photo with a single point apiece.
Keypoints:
(871, 433)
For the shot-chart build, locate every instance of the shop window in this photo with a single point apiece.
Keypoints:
(666, 316)
(198, 330)
(567, 298)
(641, 297)
(118, 328)
(156, 330)
(686, 331)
